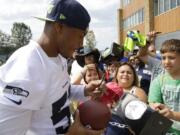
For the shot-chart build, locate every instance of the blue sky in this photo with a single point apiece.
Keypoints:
(103, 14)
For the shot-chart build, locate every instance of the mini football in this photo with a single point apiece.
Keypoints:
(94, 114)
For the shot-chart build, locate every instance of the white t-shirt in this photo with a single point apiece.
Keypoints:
(34, 93)
(76, 68)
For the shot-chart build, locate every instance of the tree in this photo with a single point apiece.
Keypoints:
(20, 34)
(4, 39)
(90, 39)
(5, 47)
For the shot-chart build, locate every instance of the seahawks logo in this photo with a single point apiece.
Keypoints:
(15, 91)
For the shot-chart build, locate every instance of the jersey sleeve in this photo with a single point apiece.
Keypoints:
(155, 94)
(77, 92)
(22, 82)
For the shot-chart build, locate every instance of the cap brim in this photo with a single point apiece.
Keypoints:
(43, 18)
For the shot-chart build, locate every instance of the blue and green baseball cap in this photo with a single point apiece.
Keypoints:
(69, 12)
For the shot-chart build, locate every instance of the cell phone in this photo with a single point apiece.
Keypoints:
(102, 79)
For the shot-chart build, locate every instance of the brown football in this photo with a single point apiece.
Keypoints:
(94, 114)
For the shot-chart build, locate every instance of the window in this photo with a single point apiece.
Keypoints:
(127, 23)
(126, 2)
(173, 3)
(155, 7)
(134, 19)
(166, 5)
(161, 6)
(131, 21)
(140, 16)
(178, 2)
(143, 15)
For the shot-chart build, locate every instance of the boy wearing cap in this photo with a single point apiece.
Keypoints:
(35, 88)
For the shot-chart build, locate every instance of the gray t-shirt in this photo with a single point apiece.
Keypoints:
(155, 66)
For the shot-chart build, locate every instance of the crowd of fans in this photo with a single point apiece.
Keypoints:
(153, 78)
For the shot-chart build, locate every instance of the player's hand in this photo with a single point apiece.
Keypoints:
(95, 88)
(78, 129)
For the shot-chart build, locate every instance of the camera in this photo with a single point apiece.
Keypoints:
(140, 117)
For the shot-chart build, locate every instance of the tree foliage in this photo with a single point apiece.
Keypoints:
(20, 34)
(90, 39)
(4, 39)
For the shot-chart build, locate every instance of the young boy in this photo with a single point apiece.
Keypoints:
(164, 95)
